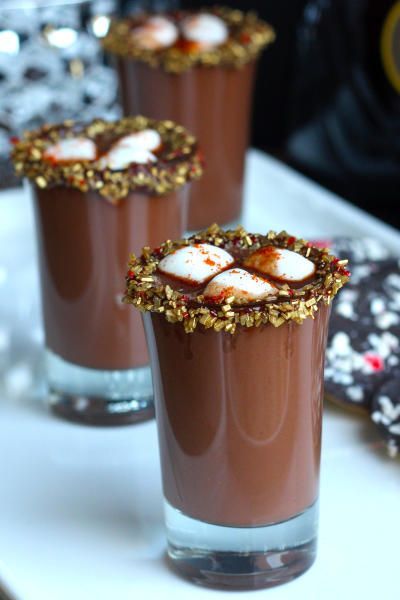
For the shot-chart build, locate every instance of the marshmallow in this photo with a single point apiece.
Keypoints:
(155, 33)
(205, 29)
(78, 148)
(147, 139)
(196, 264)
(123, 156)
(133, 148)
(281, 264)
(245, 286)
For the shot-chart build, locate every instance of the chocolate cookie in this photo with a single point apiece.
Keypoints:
(386, 412)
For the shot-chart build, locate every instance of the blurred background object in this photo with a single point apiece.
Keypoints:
(327, 97)
(344, 117)
(51, 66)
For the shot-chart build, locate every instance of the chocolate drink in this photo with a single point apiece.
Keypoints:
(198, 69)
(213, 103)
(83, 244)
(236, 325)
(101, 191)
(252, 420)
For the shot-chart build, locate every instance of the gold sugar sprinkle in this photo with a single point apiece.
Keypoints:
(288, 305)
(248, 36)
(174, 169)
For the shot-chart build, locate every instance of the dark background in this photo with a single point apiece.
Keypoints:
(323, 102)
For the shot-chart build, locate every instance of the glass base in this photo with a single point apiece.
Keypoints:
(99, 397)
(241, 557)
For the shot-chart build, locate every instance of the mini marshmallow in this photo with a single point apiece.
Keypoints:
(78, 148)
(196, 264)
(205, 29)
(133, 148)
(148, 139)
(280, 263)
(155, 33)
(245, 286)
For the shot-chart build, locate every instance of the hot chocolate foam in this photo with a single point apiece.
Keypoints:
(205, 29)
(244, 286)
(196, 264)
(280, 263)
(69, 149)
(157, 32)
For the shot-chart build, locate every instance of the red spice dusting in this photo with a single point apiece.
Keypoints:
(218, 298)
(374, 361)
(187, 46)
(209, 262)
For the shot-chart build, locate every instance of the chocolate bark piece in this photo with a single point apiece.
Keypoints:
(364, 336)
(385, 412)
(359, 250)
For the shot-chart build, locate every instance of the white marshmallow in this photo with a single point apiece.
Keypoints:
(155, 33)
(245, 286)
(205, 29)
(197, 263)
(121, 157)
(148, 139)
(133, 148)
(78, 148)
(281, 264)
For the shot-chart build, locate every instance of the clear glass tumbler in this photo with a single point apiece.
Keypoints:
(97, 361)
(239, 422)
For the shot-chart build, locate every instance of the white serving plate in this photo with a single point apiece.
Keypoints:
(80, 507)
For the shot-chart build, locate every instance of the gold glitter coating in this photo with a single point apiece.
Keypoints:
(290, 304)
(248, 36)
(179, 162)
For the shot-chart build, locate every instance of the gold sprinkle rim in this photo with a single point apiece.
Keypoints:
(249, 35)
(290, 304)
(182, 162)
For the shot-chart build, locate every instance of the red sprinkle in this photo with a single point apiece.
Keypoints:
(374, 361)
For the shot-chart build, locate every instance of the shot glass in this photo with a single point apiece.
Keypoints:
(100, 191)
(197, 68)
(236, 325)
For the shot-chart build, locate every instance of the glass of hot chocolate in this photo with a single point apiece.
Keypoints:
(196, 68)
(100, 191)
(236, 325)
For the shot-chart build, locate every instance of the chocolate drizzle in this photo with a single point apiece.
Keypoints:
(146, 291)
(248, 35)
